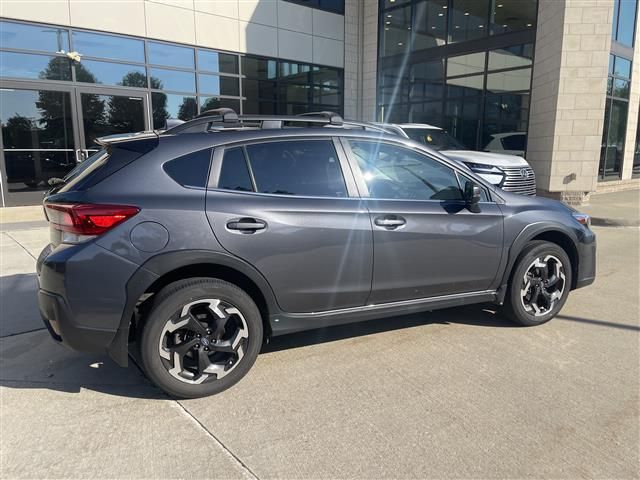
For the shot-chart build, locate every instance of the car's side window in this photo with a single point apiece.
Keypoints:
(234, 174)
(393, 172)
(190, 170)
(298, 167)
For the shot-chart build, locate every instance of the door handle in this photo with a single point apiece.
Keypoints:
(390, 222)
(246, 225)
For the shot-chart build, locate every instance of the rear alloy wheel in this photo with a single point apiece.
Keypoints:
(201, 337)
(539, 285)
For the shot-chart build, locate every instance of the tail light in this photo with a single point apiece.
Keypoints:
(79, 222)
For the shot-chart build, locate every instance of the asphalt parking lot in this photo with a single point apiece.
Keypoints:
(449, 394)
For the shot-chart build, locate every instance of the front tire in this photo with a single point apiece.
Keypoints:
(201, 336)
(539, 285)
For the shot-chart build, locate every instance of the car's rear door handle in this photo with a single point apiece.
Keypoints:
(390, 222)
(246, 225)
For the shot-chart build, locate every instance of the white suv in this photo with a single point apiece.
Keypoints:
(512, 173)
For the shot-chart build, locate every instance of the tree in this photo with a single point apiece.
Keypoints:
(188, 108)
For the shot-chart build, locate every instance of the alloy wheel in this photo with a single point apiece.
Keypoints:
(204, 341)
(543, 285)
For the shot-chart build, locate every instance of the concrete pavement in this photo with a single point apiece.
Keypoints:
(450, 394)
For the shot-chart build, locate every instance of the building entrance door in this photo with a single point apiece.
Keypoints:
(48, 129)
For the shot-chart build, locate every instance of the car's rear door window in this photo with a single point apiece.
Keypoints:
(297, 167)
(234, 174)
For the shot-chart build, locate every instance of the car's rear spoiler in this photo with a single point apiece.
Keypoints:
(125, 137)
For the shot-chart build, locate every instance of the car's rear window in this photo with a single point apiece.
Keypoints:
(191, 170)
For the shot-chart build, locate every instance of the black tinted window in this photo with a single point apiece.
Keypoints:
(393, 172)
(190, 170)
(513, 142)
(234, 174)
(306, 167)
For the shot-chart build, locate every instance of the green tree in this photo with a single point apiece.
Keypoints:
(188, 108)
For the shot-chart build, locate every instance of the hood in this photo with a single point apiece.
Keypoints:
(487, 158)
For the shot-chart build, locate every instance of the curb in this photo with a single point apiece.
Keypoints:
(613, 222)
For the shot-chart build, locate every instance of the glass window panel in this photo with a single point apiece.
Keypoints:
(209, 103)
(294, 93)
(108, 46)
(34, 37)
(234, 174)
(394, 3)
(170, 55)
(393, 172)
(512, 15)
(394, 113)
(165, 106)
(511, 81)
(259, 68)
(636, 152)
(465, 64)
(304, 167)
(627, 22)
(36, 119)
(30, 171)
(110, 114)
(429, 24)
(25, 65)
(256, 106)
(258, 89)
(396, 31)
(327, 96)
(468, 20)
(336, 6)
(107, 73)
(462, 119)
(614, 135)
(622, 67)
(427, 80)
(326, 76)
(172, 80)
(218, 85)
(293, 108)
(465, 86)
(427, 112)
(511, 57)
(621, 88)
(294, 72)
(217, 62)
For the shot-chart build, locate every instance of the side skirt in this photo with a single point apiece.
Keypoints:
(284, 323)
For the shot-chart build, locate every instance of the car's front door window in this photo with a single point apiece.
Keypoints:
(398, 173)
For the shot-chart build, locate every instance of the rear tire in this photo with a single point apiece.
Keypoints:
(539, 285)
(201, 336)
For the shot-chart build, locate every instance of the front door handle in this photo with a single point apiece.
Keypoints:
(246, 225)
(390, 222)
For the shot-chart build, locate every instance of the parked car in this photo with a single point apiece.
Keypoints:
(199, 243)
(509, 172)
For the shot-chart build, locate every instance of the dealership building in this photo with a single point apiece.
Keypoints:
(557, 81)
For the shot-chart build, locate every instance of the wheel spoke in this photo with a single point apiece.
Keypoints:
(225, 346)
(535, 294)
(182, 348)
(194, 325)
(552, 281)
(203, 360)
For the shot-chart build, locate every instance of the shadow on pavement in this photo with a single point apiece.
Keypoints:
(19, 306)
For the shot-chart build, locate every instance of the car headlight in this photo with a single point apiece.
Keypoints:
(490, 173)
(582, 218)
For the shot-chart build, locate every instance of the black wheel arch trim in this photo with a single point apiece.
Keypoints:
(164, 263)
(527, 234)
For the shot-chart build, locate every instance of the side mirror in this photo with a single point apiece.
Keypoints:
(472, 196)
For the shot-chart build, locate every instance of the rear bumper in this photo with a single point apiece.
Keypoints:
(58, 320)
(81, 295)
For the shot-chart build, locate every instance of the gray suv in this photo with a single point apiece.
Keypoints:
(199, 243)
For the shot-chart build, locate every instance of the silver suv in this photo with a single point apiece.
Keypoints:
(510, 172)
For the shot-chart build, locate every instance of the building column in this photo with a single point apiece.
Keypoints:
(360, 59)
(568, 96)
(634, 107)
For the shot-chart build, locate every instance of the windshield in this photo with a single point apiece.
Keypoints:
(434, 138)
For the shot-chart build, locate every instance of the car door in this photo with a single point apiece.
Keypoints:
(426, 242)
(286, 207)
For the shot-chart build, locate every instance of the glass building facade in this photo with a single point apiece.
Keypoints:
(463, 65)
(618, 91)
(61, 88)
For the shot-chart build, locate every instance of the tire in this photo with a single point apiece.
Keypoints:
(230, 331)
(522, 306)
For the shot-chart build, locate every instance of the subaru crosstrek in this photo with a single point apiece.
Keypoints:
(199, 243)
